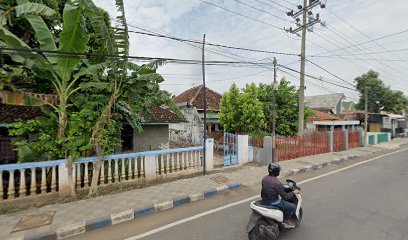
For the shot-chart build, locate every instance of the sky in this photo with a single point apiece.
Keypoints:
(346, 23)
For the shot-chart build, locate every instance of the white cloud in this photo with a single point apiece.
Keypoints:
(191, 18)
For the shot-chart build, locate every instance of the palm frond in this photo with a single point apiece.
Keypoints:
(130, 116)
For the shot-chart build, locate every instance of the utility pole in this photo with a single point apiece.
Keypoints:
(366, 117)
(205, 108)
(308, 20)
(274, 112)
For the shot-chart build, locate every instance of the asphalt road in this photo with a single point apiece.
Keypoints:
(366, 202)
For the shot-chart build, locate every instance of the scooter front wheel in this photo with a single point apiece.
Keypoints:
(264, 231)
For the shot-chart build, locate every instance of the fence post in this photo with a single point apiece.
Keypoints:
(150, 168)
(209, 154)
(64, 187)
(361, 138)
(267, 151)
(375, 138)
(243, 149)
(346, 139)
(331, 140)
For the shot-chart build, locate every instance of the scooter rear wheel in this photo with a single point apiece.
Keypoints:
(264, 231)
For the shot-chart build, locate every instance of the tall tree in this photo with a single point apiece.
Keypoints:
(230, 114)
(241, 112)
(380, 96)
(286, 107)
(131, 89)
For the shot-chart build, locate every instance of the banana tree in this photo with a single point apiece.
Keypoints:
(132, 89)
(57, 68)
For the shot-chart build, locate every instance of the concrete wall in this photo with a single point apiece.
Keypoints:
(189, 133)
(258, 153)
(153, 137)
(338, 108)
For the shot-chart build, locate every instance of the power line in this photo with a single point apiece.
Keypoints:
(317, 78)
(357, 30)
(375, 53)
(272, 6)
(261, 10)
(369, 41)
(382, 62)
(249, 75)
(242, 15)
(322, 87)
(191, 44)
(288, 3)
(281, 5)
(357, 47)
(332, 74)
(213, 44)
(141, 58)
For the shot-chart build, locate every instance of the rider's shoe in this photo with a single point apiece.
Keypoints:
(288, 225)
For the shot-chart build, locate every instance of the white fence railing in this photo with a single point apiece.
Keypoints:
(31, 179)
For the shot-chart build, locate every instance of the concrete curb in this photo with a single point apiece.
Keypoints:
(93, 224)
(316, 166)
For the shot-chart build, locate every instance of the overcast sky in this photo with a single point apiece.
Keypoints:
(359, 21)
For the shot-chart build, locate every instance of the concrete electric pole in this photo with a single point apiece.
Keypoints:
(366, 116)
(308, 20)
(274, 112)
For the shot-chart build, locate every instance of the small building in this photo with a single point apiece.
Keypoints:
(191, 103)
(8, 115)
(321, 121)
(380, 122)
(155, 135)
(155, 126)
(329, 103)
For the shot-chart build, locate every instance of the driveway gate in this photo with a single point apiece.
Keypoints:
(230, 149)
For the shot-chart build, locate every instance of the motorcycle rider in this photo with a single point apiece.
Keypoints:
(274, 194)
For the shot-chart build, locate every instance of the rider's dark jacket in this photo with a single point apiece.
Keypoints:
(271, 189)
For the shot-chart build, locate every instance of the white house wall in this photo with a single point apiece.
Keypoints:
(153, 137)
(190, 132)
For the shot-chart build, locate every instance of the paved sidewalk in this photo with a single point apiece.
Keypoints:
(162, 196)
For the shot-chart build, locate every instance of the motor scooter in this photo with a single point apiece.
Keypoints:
(266, 221)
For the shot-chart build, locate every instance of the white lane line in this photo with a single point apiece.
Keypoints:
(351, 166)
(154, 231)
(191, 218)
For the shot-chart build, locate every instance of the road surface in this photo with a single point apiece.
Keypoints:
(364, 202)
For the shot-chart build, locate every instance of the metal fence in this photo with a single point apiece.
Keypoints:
(295, 147)
(353, 139)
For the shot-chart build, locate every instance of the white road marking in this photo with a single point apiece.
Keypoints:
(191, 218)
(154, 231)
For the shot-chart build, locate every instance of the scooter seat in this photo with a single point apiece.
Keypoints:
(260, 203)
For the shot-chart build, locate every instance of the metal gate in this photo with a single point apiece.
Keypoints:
(230, 149)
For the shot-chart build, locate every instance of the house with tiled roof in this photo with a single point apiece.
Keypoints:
(322, 121)
(191, 103)
(155, 125)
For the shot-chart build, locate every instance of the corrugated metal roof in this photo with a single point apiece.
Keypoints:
(324, 101)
